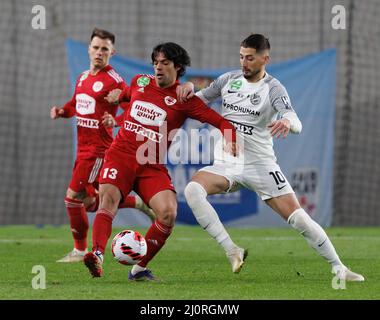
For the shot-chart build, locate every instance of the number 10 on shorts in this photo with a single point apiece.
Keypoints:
(109, 173)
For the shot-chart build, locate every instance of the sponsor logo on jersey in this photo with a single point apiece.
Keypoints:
(139, 129)
(148, 113)
(84, 76)
(85, 104)
(233, 107)
(255, 99)
(170, 100)
(87, 123)
(234, 86)
(242, 127)
(140, 90)
(97, 86)
(143, 81)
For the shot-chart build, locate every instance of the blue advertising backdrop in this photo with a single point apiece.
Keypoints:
(306, 159)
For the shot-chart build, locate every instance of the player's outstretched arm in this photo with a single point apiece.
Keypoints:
(199, 111)
(228, 131)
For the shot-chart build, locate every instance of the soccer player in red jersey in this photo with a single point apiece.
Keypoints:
(135, 158)
(95, 119)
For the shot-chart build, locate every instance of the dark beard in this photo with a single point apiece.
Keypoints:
(251, 76)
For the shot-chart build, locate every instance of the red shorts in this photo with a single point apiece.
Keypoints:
(86, 175)
(122, 170)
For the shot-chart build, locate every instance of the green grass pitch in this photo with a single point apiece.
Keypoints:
(280, 265)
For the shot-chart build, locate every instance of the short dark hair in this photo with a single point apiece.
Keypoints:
(173, 52)
(103, 34)
(256, 41)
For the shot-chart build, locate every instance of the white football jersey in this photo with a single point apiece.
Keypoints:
(250, 107)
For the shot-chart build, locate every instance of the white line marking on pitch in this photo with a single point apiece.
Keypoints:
(348, 238)
(289, 238)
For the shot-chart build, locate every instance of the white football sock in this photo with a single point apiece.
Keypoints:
(206, 215)
(315, 236)
(136, 268)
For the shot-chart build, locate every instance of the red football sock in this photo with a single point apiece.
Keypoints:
(101, 230)
(155, 239)
(78, 222)
(129, 202)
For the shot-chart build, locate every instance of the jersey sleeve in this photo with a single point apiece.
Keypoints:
(280, 101)
(121, 85)
(214, 90)
(124, 106)
(125, 95)
(279, 98)
(198, 110)
(70, 106)
(120, 118)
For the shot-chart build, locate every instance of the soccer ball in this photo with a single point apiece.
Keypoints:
(129, 247)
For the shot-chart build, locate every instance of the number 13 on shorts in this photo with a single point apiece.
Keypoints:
(109, 173)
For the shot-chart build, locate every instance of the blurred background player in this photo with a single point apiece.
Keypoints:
(95, 119)
(259, 107)
(135, 159)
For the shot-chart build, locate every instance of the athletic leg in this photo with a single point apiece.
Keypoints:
(288, 207)
(203, 184)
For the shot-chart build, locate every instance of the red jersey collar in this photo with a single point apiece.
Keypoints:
(174, 85)
(105, 69)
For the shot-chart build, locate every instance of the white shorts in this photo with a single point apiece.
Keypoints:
(267, 180)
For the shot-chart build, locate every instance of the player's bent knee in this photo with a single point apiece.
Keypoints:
(167, 217)
(109, 197)
(167, 213)
(73, 195)
(299, 218)
(194, 192)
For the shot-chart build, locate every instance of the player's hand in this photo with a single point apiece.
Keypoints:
(279, 128)
(185, 91)
(113, 96)
(56, 112)
(232, 148)
(108, 120)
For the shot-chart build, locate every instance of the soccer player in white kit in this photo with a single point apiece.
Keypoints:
(259, 107)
